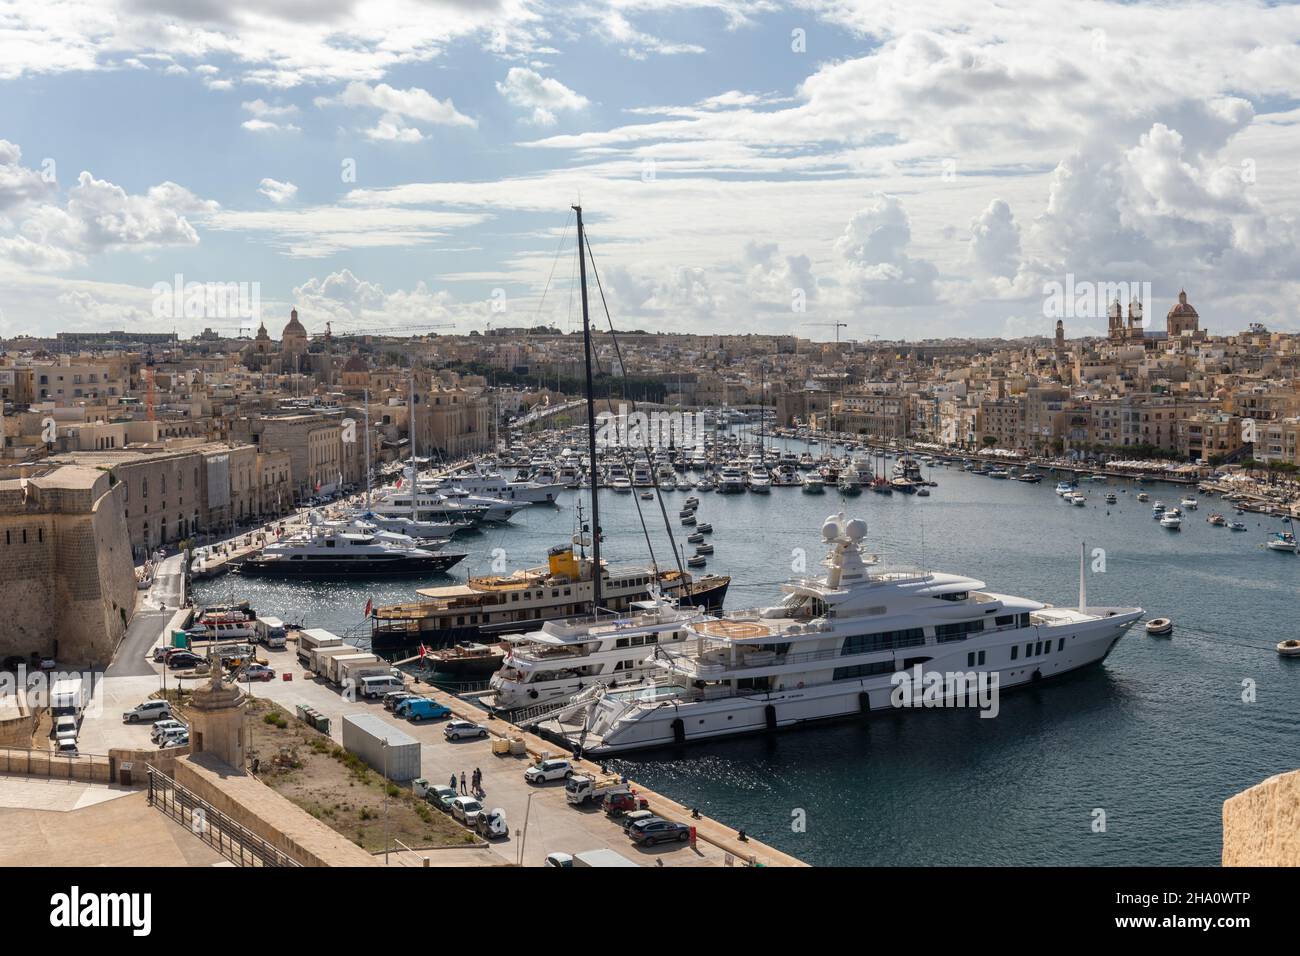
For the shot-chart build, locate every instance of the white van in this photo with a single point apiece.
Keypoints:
(377, 685)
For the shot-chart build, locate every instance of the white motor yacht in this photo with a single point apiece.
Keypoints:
(865, 637)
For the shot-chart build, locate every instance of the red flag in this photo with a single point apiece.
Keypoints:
(423, 651)
(369, 606)
(399, 483)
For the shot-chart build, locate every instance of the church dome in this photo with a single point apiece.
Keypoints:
(1183, 307)
(294, 329)
(355, 364)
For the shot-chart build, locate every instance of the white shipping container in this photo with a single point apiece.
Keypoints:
(364, 735)
(333, 665)
(320, 657)
(312, 638)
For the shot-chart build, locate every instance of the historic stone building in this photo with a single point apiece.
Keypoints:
(65, 559)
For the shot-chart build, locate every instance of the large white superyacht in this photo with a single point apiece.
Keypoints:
(832, 647)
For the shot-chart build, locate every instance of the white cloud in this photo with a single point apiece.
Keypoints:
(874, 248)
(277, 191)
(544, 95)
(995, 240)
(398, 105)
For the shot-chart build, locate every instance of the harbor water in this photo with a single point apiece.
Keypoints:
(1125, 764)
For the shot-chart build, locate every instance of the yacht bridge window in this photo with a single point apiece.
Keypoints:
(803, 606)
(957, 631)
(883, 641)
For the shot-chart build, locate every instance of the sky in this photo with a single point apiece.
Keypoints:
(911, 170)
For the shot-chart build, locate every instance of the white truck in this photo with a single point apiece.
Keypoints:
(601, 858)
(271, 632)
(68, 697)
(580, 789)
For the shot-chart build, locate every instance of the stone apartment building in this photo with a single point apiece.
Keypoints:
(886, 415)
(451, 422)
(75, 380)
(1211, 435)
(1003, 421)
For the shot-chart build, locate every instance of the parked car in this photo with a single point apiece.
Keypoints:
(548, 770)
(181, 739)
(148, 712)
(165, 727)
(636, 816)
(48, 663)
(650, 832)
(466, 810)
(259, 672)
(395, 697)
(460, 729)
(184, 659)
(65, 728)
(446, 799)
(492, 824)
(559, 859)
(440, 797)
(68, 748)
(421, 708)
(621, 802)
(12, 663)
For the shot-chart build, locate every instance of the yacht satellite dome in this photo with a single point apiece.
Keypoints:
(831, 529)
(856, 530)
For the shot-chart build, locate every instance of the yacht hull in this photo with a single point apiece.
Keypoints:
(673, 723)
(350, 568)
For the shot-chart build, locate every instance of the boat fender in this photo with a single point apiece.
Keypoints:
(864, 702)
(1038, 675)
(532, 694)
(679, 731)
(770, 713)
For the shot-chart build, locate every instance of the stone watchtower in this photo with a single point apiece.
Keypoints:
(219, 721)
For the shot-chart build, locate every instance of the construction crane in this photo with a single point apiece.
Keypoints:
(380, 330)
(837, 325)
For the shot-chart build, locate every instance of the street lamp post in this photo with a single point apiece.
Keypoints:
(386, 841)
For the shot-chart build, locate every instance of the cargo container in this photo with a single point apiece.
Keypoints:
(355, 670)
(320, 657)
(334, 665)
(312, 638)
(364, 735)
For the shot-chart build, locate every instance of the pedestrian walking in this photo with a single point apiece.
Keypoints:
(452, 783)
(462, 784)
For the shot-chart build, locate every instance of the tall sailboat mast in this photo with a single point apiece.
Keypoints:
(366, 399)
(596, 570)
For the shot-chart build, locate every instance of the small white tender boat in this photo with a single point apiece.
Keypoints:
(1160, 627)
(1289, 648)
